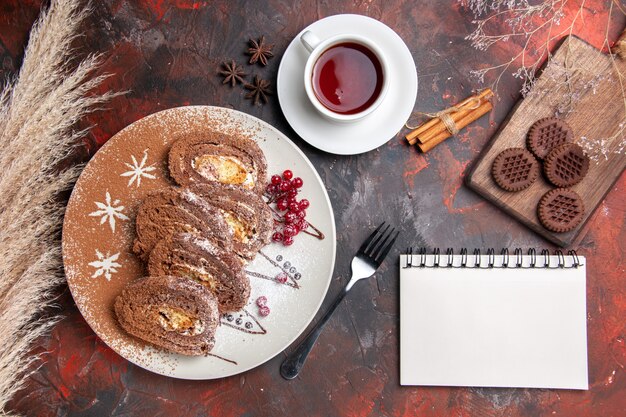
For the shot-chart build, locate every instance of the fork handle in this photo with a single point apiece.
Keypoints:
(291, 367)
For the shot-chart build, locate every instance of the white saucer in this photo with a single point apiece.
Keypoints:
(374, 130)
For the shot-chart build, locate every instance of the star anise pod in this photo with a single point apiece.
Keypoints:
(232, 73)
(260, 51)
(259, 90)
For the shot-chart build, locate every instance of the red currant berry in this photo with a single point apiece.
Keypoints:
(277, 237)
(292, 200)
(282, 277)
(285, 186)
(301, 213)
(292, 193)
(289, 231)
(264, 311)
(297, 182)
(271, 189)
(287, 174)
(261, 301)
(294, 206)
(304, 204)
(276, 180)
(288, 241)
(302, 224)
(282, 204)
(290, 217)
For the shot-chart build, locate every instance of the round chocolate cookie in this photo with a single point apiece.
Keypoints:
(546, 134)
(566, 165)
(515, 169)
(560, 210)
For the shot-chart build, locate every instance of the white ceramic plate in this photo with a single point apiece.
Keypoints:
(99, 262)
(378, 127)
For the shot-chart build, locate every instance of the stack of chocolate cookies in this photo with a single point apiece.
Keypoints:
(549, 140)
(197, 238)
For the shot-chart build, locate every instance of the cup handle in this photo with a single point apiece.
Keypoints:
(309, 40)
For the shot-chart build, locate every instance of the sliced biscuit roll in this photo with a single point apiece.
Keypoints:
(249, 218)
(201, 260)
(212, 157)
(168, 212)
(174, 313)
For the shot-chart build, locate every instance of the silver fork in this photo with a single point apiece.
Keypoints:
(369, 257)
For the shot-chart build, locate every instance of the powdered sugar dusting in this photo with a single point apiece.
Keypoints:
(106, 265)
(292, 303)
(190, 196)
(139, 170)
(205, 245)
(109, 211)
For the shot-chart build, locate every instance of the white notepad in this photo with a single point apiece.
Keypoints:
(493, 327)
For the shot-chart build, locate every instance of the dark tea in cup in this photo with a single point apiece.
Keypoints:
(347, 78)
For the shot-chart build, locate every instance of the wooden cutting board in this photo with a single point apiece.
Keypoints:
(597, 114)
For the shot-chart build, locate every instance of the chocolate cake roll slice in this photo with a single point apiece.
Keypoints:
(174, 313)
(169, 211)
(198, 259)
(212, 157)
(247, 215)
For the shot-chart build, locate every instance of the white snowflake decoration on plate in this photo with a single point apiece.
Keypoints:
(139, 169)
(105, 265)
(109, 210)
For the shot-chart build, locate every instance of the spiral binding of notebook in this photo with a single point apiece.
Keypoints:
(423, 259)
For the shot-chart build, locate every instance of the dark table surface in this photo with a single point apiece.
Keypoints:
(166, 55)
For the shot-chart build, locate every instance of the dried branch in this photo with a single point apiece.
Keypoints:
(524, 21)
(539, 26)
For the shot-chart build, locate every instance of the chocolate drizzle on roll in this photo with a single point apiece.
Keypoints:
(201, 260)
(216, 158)
(174, 313)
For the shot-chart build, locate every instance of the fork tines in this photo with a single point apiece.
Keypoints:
(379, 243)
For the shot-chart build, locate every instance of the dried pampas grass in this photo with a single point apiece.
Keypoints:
(38, 112)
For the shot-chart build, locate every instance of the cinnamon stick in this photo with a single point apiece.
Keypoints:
(468, 118)
(433, 127)
(440, 128)
(412, 136)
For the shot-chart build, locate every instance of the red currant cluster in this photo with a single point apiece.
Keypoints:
(284, 191)
(261, 302)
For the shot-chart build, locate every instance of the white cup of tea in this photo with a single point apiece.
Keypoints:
(345, 76)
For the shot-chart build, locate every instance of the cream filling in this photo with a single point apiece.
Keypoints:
(225, 169)
(241, 232)
(175, 320)
(197, 274)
